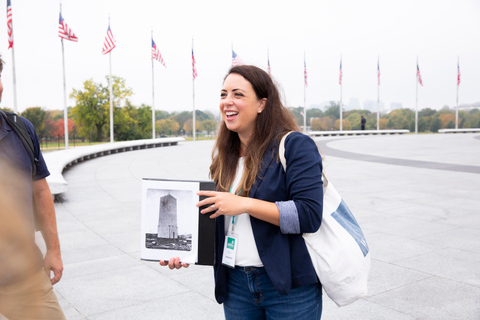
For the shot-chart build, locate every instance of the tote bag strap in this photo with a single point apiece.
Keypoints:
(281, 154)
(281, 151)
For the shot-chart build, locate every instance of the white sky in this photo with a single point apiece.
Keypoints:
(360, 31)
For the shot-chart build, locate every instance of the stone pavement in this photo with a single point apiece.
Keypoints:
(417, 198)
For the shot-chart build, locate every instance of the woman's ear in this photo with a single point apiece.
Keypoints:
(262, 105)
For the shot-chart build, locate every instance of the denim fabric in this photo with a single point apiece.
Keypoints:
(252, 296)
(289, 222)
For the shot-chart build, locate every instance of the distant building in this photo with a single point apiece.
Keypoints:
(353, 104)
(396, 105)
(167, 218)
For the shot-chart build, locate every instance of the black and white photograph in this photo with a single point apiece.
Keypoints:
(169, 220)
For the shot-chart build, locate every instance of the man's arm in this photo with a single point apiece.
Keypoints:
(45, 211)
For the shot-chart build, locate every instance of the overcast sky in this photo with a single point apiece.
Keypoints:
(396, 31)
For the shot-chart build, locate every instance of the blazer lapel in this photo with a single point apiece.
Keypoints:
(269, 156)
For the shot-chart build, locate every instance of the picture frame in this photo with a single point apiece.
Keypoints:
(171, 223)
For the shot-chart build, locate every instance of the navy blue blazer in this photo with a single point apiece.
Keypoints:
(284, 256)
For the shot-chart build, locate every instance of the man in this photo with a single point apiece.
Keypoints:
(26, 290)
(363, 121)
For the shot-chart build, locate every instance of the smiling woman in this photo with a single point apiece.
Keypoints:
(240, 106)
(262, 268)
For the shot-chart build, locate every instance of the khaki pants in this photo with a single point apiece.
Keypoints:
(31, 299)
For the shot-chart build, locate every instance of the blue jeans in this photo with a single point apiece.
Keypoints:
(251, 296)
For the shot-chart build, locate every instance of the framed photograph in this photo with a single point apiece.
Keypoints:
(172, 225)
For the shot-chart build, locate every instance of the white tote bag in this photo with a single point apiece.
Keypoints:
(339, 251)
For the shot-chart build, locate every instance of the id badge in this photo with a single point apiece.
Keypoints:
(230, 250)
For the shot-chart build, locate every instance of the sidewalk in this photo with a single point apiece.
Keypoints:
(417, 198)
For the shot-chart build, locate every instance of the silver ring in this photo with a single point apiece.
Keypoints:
(213, 206)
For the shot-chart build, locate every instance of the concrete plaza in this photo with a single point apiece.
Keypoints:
(417, 198)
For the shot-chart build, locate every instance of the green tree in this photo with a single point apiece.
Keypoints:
(188, 126)
(92, 108)
(208, 125)
(160, 114)
(167, 126)
(333, 111)
(36, 115)
(6, 109)
(435, 124)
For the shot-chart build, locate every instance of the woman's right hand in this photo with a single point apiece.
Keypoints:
(174, 263)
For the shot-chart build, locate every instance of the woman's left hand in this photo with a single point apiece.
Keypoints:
(224, 203)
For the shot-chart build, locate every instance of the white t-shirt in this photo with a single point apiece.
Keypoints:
(247, 252)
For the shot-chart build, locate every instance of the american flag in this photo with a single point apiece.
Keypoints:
(9, 24)
(236, 61)
(458, 73)
(156, 55)
(305, 72)
(378, 71)
(65, 32)
(341, 73)
(109, 43)
(419, 76)
(194, 69)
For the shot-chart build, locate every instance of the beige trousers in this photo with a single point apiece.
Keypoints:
(31, 299)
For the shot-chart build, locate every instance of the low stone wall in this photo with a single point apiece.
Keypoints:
(472, 130)
(57, 161)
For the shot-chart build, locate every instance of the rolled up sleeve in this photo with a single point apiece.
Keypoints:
(289, 223)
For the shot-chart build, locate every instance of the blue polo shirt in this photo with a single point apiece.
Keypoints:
(16, 177)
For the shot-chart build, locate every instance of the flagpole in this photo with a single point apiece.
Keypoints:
(111, 97)
(14, 78)
(378, 94)
(305, 97)
(416, 102)
(65, 110)
(341, 85)
(456, 111)
(193, 97)
(153, 97)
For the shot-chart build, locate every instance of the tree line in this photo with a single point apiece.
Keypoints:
(89, 118)
(429, 120)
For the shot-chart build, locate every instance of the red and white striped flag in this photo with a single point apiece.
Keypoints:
(156, 55)
(9, 24)
(458, 73)
(236, 61)
(194, 69)
(419, 77)
(341, 73)
(65, 32)
(109, 43)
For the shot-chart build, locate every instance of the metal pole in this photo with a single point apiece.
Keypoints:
(65, 110)
(416, 103)
(14, 79)
(341, 84)
(304, 99)
(193, 90)
(378, 95)
(153, 98)
(111, 98)
(456, 111)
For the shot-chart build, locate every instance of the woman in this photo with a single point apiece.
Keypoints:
(261, 211)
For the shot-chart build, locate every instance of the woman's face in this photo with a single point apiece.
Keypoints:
(240, 106)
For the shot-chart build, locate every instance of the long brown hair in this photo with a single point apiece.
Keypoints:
(271, 124)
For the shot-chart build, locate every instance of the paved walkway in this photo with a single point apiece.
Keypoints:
(417, 198)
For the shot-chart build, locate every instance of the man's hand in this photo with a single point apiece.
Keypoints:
(53, 262)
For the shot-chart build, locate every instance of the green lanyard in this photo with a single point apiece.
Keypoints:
(233, 217)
